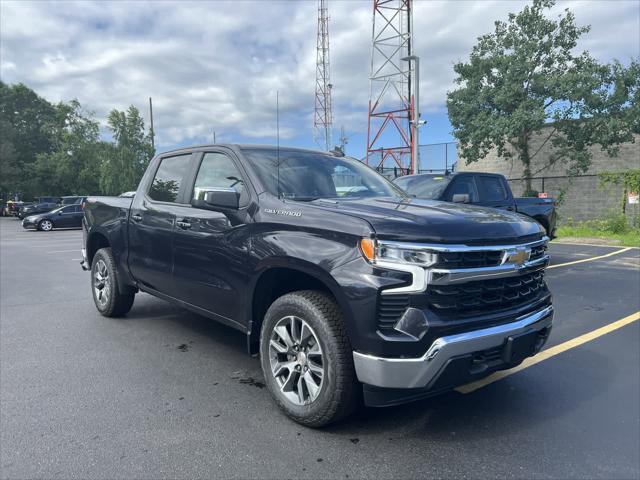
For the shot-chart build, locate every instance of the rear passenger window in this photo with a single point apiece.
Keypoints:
(492, 189)
(166, 183)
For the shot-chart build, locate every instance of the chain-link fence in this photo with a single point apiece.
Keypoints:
(434, 158)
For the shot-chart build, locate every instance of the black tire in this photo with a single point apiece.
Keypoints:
(340, 392)
(119, 299)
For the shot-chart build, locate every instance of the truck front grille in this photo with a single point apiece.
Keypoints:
(455, 260)
(538, 251)
(477, 298)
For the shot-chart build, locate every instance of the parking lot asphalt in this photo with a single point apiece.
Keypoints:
(166, 393)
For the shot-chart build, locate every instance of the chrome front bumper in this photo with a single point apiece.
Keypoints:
(422, 372)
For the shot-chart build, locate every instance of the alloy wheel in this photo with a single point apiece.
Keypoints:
(46, 225)
(296, 360)
(101, 283)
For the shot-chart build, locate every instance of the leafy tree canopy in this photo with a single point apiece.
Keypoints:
(124, 163)
(48, 149)
(525, 76)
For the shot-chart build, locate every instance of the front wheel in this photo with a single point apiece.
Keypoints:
(307, 359)
(45, 225)
(111, 299)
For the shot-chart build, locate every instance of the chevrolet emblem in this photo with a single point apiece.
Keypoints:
(517, 256)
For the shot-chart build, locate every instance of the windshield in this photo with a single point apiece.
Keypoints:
(424, 186)
(306, 176)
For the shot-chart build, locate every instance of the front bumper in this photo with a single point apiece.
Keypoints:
(456, 359)
(26, 223)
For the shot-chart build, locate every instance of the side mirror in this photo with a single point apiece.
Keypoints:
(460, 198)
(219, 198)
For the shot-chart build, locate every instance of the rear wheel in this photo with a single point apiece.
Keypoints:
(110, 297)
(45, 225)
(307, 359)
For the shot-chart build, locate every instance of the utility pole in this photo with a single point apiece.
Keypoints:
(323, 118)
(152, 132)
(415, 113)
(214, 137)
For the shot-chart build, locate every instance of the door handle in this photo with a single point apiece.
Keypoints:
(183, 224)
(136, 217)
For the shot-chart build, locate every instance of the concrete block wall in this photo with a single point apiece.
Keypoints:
(584, 198)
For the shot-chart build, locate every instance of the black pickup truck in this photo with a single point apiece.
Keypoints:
(343, 284)
(483, 189)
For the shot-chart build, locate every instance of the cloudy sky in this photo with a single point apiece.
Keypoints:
(217, 65)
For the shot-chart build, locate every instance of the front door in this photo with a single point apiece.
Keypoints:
(211, 247)
(151, 223)
(68, 217)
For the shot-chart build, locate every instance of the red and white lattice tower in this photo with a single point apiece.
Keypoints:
(323, 118)
(390, 138)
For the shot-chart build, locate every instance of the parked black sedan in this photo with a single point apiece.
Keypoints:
(69, 216)
(35, 209)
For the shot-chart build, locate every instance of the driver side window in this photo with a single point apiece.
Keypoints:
(218, 171)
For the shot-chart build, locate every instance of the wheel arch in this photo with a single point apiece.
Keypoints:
(95, 242)
(280, 278)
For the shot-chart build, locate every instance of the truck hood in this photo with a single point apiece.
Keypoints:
(418, 220)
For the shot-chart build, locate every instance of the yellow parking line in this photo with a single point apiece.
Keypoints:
(591, 259)
(545, 354)
(554, 242)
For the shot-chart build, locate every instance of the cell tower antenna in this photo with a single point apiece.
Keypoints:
(391, 133)
(323, 118)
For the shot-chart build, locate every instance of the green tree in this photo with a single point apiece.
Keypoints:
(524, 77)
(25, 122)
(123, 164)
(73, 166)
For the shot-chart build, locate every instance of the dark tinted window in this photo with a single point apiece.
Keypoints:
(308, 176)
(69, 209)
(463, 186)
(217, 171)
(166, 183)
(424, 186)
(491, 189)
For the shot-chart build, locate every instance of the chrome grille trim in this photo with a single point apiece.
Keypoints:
(422, 277)
(458, 248)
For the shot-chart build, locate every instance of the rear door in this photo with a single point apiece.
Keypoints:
(152, 220)
(494, 192)
(211, 247)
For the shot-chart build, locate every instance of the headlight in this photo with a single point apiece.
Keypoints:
(396, 252)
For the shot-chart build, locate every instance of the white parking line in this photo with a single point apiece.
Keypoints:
(65, 251)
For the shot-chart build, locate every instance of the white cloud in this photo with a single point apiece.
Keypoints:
(217, 65)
